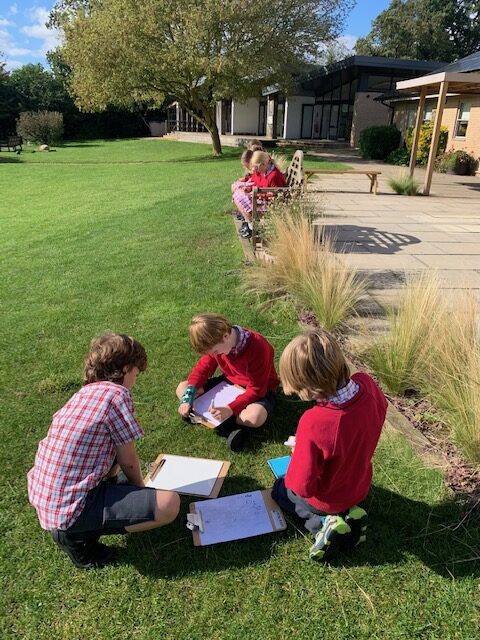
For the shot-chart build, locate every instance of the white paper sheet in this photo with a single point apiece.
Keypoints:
(233, 518)
(193, 476)
(221, 395)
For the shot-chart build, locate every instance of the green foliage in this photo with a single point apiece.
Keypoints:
(199, 52)
(442, 30)
(425, 141)
(463, 163)
(41, 127)
(378, 142)
(37, 89)
(399, 157)
(404, 186)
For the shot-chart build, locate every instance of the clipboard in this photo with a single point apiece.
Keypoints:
(235, 517)
(279, 466)
(222, 468)
(197, 417)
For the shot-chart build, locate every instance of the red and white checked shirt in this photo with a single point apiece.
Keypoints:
(79, 450)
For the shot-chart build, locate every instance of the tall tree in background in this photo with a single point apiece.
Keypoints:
(442, 30)
(37, 89)
(198, 51)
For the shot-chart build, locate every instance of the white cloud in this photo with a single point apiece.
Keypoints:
(13, 64)
(9, 48)
(5, 23)
(348, 41)
(50, 38)
(13, 9)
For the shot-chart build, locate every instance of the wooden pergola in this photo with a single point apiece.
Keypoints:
(436, 84)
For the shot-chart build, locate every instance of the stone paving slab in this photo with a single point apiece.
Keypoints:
(390, 234)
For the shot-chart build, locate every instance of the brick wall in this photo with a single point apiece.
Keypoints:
(367, 113)
(471, 142)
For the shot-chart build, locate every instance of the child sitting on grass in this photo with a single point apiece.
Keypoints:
(72, 482)
(245, 358)
(331, 467)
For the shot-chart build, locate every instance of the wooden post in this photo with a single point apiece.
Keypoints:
(442, 95)
(416, 133)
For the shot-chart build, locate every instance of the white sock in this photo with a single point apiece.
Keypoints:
(250, 226)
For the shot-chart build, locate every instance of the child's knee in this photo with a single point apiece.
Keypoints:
(181, 388)
(253, 416)
(168, 506)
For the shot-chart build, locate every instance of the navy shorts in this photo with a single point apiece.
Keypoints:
(268, 402)
(112, 507)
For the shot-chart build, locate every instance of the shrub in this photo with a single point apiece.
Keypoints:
(40, 127)
(399, 157)
(463, 163)
(425, 141)
(305, 271)
(404, 186)
(443, 163)
(378, 142)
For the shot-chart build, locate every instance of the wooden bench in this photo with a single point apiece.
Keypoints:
(295, 179)
(373, 175)
(12, 143)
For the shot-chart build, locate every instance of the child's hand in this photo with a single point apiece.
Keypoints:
(220, 413)
(184, 409)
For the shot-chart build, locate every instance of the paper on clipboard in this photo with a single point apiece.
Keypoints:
(236, 517)
(190, 476)
(221, 395)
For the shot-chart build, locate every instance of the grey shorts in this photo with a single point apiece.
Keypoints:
(112, 507)
(267, 402)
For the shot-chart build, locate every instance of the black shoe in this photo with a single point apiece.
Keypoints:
(237, 439)
(225, 429)
(83, 554)
(246, 233)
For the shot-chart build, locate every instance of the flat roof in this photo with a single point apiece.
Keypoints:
(457, 82)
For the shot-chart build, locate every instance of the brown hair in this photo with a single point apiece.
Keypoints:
(255, 145)
(246, 157)
(109, 355)
(258, 158)
(207, 329)
(313, 363)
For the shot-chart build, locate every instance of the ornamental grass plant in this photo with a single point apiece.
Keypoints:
(452, 374)
(404, 185)
(398, 358)
(306, 270)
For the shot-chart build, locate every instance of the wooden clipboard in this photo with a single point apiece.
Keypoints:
(160, 460)
(275, 515)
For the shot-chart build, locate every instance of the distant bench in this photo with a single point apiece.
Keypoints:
(12, 143)
(373, 175)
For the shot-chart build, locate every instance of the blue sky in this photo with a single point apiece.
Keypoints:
(24, 37)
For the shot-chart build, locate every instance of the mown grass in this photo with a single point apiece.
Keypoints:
(141, 248)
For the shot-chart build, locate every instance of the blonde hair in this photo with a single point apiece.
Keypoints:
(109, 355)
(208, 329)
(258, 158)
(313, 364)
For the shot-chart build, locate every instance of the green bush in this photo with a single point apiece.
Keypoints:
(399, 157)
(378, 142)
(40, 127)
(463, 163)
(425, 140)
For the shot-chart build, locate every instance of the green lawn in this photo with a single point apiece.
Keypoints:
(89, 244)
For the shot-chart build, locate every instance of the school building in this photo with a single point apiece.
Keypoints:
(461, 106)
(331, 103)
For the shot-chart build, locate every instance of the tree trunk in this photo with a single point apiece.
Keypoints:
(216, 144)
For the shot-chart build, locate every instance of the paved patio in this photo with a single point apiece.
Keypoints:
(387, 236)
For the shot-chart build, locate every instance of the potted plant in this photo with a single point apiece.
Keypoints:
(463, 163)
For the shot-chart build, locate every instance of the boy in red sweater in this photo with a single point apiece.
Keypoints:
(245, 358)
(331, 467)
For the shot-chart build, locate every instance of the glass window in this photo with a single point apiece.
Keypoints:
(428, 113)
(463, 117)
(378, 83)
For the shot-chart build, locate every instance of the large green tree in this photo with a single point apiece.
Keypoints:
(197, 51)
(442, 30)
(37, 89)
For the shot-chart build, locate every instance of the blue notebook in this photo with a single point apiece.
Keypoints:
(279, 466)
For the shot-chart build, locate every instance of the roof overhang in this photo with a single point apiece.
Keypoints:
(457, 83)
